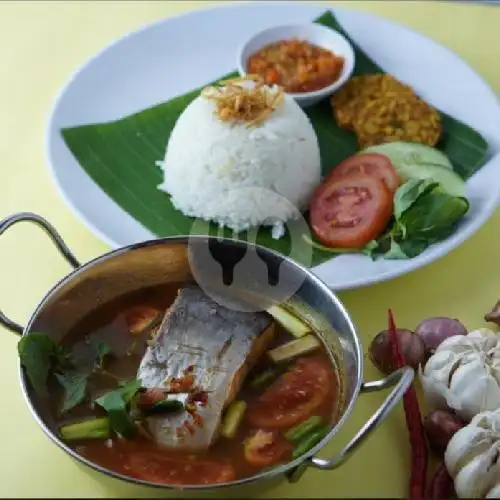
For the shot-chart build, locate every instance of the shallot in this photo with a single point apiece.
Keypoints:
(412, 348)
(440, 426)
(441, 487)
(435, 330)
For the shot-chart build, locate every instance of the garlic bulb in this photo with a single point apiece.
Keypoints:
(464, 374)
(473, 457)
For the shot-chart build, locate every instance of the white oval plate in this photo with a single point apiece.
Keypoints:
(135, 72)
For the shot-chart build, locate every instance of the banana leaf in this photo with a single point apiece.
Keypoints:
(120, 157)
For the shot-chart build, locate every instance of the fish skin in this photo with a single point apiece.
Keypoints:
(221, 344)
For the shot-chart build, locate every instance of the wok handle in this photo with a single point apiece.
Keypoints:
(56, 238)
(403, 379)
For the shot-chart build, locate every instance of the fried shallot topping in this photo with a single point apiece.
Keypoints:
(239, 103)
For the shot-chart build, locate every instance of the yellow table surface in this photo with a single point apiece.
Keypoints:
(41, 44)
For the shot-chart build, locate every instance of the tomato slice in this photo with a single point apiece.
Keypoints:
(140, 318)
(295, 396)
(350, 211)
(150, 397)
(158, 468)
(265, 448)
(372, 164)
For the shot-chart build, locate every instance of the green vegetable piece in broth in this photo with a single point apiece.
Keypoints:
(62, 358)
(295, 348)
(233, 419)
(94, 428)
(75, 389)
(129, 388)
(119, 418)
(40, 355)
(289, 321)
(35, 351)
(266, 377)
(165, 406)
(300, 431)
(309, 442)
(103, 350)
(115, 403)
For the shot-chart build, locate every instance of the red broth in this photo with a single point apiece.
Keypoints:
(308, 377)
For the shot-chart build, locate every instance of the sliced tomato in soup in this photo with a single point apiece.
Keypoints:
(140, 318)
(371, 164)
(159, 468)
(295, 396)
(350, 211)
(265, 448)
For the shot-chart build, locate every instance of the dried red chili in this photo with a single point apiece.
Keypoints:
(419, 453)
(181, 384)
(149, 397)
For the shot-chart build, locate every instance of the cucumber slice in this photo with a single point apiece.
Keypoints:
(233, 418)
(288, 321)
(295, 348)
(408, 153)
(451, 182)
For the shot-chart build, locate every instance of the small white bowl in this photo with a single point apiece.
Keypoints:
(313, 33)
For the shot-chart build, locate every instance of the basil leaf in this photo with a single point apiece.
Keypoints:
(103, 350)
(75, 389)
(129, 389)
(40, 355)
(409, 193)
(115, 403)
(62, 357)
(35, 352)
(424, 214)
(372, 249)
(395, 251)
(432, 217)
(406, 249)
(116, 408)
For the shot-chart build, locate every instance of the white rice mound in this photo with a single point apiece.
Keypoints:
(242, 177)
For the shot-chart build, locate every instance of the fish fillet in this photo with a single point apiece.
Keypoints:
(212, 346)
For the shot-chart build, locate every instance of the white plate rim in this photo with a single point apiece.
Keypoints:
(433, 254)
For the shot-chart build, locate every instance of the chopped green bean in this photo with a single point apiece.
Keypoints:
(295, 434)
(165, 406)
(309, 441)
(268, 376)
(93, 428)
